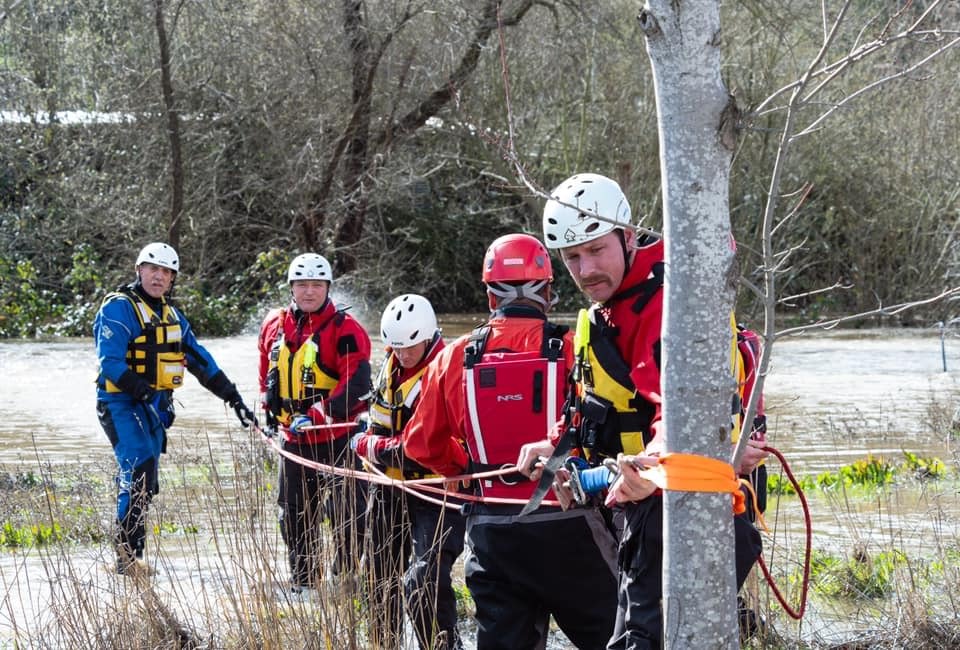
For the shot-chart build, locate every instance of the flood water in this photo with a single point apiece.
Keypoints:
(832, 398)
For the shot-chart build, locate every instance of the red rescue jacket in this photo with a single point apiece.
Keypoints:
(342, 364)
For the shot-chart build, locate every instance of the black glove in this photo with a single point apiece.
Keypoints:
(272, 424)
(246, 416)
(136, 386)
(223, 388)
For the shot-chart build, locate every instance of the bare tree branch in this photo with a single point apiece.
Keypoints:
(892, 310)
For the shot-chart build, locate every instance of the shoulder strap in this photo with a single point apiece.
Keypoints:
(476, 344)
(644, 291)
(552, 346)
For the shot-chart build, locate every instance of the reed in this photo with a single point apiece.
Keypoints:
(217, 572)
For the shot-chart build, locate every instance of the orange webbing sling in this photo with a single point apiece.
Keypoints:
(693, 473)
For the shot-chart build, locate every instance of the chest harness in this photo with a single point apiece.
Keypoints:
(610, 417)
(156, 354)
(512, 398)
(297, 379)
(392, 408)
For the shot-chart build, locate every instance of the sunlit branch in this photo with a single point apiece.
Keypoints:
(879, 311)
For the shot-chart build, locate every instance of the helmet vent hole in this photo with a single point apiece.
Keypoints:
(593, 226)
(414, 335)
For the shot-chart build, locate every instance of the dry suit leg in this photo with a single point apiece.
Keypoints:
(307, 496)
(639, 623)
(137, 439)
(388, 550)
(134, 493)
(639, 619)
(300, 517)
(438, 539)
(345, 507)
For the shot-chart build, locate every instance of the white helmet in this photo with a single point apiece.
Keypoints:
(407, 320)
(160, 254)
(565, 226)
(310, 266)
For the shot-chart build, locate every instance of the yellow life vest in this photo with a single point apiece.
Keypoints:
(739, 376)
(392, 408)
(300, 380)
(613, 417)
(157, 353)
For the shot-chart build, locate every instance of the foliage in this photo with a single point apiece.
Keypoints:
(860, 576)
(26, 310)
(924, 468)
(25, 536)
(265, 120)
(868, 472)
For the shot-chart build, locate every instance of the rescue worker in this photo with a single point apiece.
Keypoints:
(143, 345)
(484, 396)
(618, 406)
(398, 523)
(315, 378)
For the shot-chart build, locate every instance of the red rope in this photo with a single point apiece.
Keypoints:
(805, 585)
(414, 486)
(418, 486)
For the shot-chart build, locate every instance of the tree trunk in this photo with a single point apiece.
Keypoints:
(173, 130)
(696, 121)
(355, 158)
(353, 155)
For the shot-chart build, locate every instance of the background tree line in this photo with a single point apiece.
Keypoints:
(246, 131)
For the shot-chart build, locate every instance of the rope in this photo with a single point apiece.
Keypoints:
(692, 473)
(416, 487)
(808, 525)
(674, 471)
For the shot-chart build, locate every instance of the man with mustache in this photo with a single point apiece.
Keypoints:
(617, 409)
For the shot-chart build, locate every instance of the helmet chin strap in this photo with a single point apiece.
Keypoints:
(626, 254)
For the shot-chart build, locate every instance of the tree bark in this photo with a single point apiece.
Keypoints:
(173, 129)
(355, 159)
(696, 122)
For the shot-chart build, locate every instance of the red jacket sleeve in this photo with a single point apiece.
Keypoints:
(646, 368)
(352, 345)
(433, 435)
(268, 335)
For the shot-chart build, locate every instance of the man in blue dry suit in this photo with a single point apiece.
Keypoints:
(143, 345)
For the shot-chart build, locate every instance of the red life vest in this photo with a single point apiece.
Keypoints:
(512, 398)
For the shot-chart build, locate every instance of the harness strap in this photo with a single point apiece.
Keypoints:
(645, 291)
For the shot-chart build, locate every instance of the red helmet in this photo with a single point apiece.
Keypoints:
(516, 258)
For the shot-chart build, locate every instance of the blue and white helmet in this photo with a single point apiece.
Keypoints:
(565, 226)
(160, 254)
(310, 266)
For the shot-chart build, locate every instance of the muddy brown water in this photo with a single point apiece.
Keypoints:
(832, 399)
